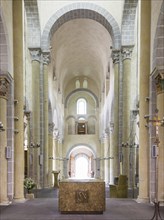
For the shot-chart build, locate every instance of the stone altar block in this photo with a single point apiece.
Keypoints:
(82, 196)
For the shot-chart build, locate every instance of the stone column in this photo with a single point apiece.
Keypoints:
(55, 150)
(72, 166)
(114, 126)
(56, 178)
(102, 170)
(106, 157)
(19, 96)
(35, 139)
(61, 174)
(126, 58)
(50, 154)
(65, 168)
(133, 154)
(45, 116)
(3, 139)
(97, 167)
(144, 70)
(160, 107)
(27, 138)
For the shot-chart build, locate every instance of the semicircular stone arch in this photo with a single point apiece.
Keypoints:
(81, 10)
(70, 117)
(82, 145)
(83, 90)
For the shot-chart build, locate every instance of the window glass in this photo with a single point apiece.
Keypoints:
(81, 119)
(81, 106)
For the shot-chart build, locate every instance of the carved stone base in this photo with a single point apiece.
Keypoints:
(30, 196)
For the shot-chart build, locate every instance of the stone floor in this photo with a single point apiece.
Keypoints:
(45, 207)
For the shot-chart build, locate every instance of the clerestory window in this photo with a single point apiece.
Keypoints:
(81, 106)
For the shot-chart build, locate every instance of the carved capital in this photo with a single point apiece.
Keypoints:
(60, 140)
(135, 112)
(46, 57)
(111, 126)
(127, 52)
(159, 80)
(116, 56)
(55, 133)
(25, 125)
(35, 54)
(27, 114)
(107, 132)
(51, 128)
(105, 135)
(4, 87)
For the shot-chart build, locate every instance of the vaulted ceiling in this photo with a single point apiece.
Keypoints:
(81, 47)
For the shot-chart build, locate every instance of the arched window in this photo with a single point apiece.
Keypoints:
(85, 83)
(81, 166)
(81, 106)
(77, 84)
(81, 119)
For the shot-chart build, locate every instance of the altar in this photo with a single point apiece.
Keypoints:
(82, 196)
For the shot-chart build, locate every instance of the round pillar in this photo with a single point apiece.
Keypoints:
(19, 96)
(100, 161)
(45, 112)
(50, 154)
(106, 158)
(56, 178)
(144, 70)
(35, 137)
(55, 149)
(60, 160)
(55, 153)
(126, 56)
(114, 127)
(160, 107)
(3, 139)
(27, 138)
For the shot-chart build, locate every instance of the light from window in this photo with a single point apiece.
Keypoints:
(85, 83)
(81, 168)
(77, 84)
(81, 106)
(81, 119)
